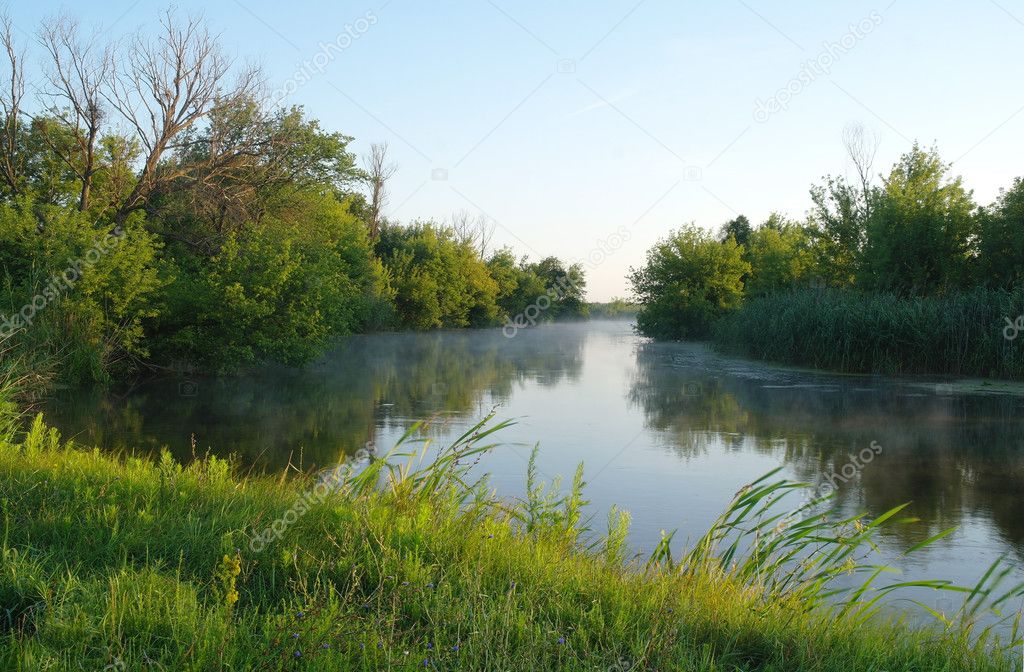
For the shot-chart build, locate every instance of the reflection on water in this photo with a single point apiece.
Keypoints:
(324, 412)
(668, 431)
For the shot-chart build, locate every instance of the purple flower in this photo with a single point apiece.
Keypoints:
(455, 648)
(430, 645)
(299, 615)
(298, 654)
(561, 640)
(295, 635)
(325, 645)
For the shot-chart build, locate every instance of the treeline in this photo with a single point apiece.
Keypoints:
(156, 212)
(906, 274)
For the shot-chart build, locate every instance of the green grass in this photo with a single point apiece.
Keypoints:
(131, 564)
(957, 334)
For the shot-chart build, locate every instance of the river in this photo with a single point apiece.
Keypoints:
(667, 431)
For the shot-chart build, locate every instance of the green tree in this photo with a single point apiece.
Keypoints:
(689, 280)
(780, 258)
(739, 228)
(921, 228)
(1001, 239)
(837, 229)
(439, 282)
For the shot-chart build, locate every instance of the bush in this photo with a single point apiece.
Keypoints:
(274, 291)
(439, 282)
(689, 281)
(77, 290)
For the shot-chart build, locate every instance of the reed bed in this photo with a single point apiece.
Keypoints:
(959, 334)
(412, 562)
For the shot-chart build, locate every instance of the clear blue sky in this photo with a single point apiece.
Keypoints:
(564, 121)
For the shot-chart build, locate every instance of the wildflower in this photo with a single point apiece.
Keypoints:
(561, 640)
(455, 648)
(430, 645)
(295, 635)
(298, 654)
(325, 645)
(299, 615)
(430, 585)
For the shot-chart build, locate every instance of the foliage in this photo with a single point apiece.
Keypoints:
(690, 279)
(245, 236)
(616, 309)
(908, 260)
(439, 281)
(921, 229)
(77, 290)
(274, 291)
(780, 258)
(1001, 240)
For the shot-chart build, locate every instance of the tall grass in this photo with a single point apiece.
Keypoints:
(957, 334)
(412, 562)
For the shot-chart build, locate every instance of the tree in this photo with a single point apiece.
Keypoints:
(245, 164)
(862, 148)
(921, 230)
(476, 231)
(1001, 239)
(739, 228)
(76, 79)
(565, 285)
(689, 280)
(439, 281)
(166, 86)
(378, 172)
(780, 258)
(837, 229)
(12, 155)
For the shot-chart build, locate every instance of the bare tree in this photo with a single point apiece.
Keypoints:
(862, 147)
(461, 223)
(12, 163)
(76, 79)
(485, 232)
(378, 171)
(475, 231)
(164, 88)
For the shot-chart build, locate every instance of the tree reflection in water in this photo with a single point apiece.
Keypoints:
(956, 456)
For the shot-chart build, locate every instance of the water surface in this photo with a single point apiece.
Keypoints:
(667, 431)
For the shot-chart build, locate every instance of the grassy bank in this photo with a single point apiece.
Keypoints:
(127, 564)
(960, 334)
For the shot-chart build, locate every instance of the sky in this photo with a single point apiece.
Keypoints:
(589, 130)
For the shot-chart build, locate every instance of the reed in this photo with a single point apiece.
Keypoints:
(412, 562)
(960, 334)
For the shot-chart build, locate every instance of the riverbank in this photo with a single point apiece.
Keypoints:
(964, 334)
(132, 564)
